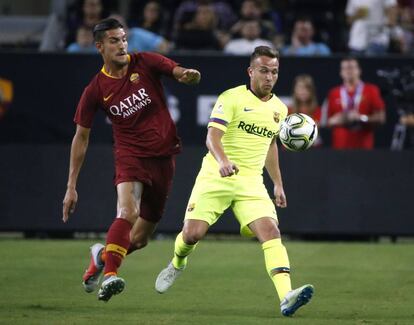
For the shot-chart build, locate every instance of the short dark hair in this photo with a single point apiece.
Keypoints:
(350, 58)
(104, 25)
(264, 51)
(304, 18)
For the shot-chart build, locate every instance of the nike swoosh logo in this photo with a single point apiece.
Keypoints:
(107, 97)
(248, 109)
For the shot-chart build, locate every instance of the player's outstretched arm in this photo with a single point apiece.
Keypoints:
(272, 167)
(214, 145)
(77, 155)
(187, 76)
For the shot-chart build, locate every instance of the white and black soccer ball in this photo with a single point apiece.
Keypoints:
(298, 132)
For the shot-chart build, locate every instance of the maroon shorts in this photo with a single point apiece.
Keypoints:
(156, 174)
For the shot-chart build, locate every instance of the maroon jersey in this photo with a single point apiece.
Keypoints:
(136, 105)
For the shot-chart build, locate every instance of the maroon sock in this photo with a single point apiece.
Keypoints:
(117, 243)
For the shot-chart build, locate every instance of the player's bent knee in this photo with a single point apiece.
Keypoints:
(268, 234)
(130, 214)
(192, 236)
(274, 232)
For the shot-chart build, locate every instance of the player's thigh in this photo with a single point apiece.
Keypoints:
(129, 200)
(210, 197)
(154, 197)
(252, 202)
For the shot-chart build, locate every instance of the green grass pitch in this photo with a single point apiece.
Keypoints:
(225, 283)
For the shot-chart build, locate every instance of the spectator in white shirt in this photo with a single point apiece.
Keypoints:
(250, 39)
(370, 22)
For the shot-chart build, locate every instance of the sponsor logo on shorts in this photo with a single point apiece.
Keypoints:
(190, 207)
(256, 130)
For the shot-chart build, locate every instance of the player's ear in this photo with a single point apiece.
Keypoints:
(250, 71)
(99, 46)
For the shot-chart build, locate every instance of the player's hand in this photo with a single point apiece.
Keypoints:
(190, 77)
(337, 119)
(69, 203)
(228, 168)
(353, 116)
(280, 197)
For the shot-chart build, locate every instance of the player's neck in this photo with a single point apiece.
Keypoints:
(115, 71)
(262, 97)
(350, 85)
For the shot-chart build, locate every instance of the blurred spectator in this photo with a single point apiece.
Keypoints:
(84, 42)
(402, 34)
(302, 43)
(251, 9)
(201, 33)
(187, 9)
(151, 18)
(6, 95)
(250, 39)
(86, 13)
(304, 98)
(370, 22)
(354, 108)
(269, 14)
(140, 39)
(407, 120)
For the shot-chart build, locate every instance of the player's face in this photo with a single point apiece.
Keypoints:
(350, 71)
(114, 47)
(263, 73)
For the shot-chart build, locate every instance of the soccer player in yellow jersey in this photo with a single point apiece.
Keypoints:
(241, 141)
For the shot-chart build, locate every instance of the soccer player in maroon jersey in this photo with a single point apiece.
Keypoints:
(129, 90)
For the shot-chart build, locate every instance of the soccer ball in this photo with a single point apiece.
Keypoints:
(298, 132)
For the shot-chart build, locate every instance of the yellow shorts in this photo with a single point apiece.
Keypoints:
(246, 195)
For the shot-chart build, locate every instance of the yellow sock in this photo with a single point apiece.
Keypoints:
(181, 251)
(277, 266)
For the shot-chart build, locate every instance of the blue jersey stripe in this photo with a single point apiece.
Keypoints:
(219, 121)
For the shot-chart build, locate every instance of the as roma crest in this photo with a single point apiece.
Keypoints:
(134, 77)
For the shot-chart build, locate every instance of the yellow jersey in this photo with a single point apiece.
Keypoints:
(249, 124)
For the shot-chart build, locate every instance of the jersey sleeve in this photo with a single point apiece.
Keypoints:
(333, 107)
(159, 63)
(222, 113)
(87, 107)
(284, 111)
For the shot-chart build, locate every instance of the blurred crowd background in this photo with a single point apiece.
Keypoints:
(295, 27)
(369, 30)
